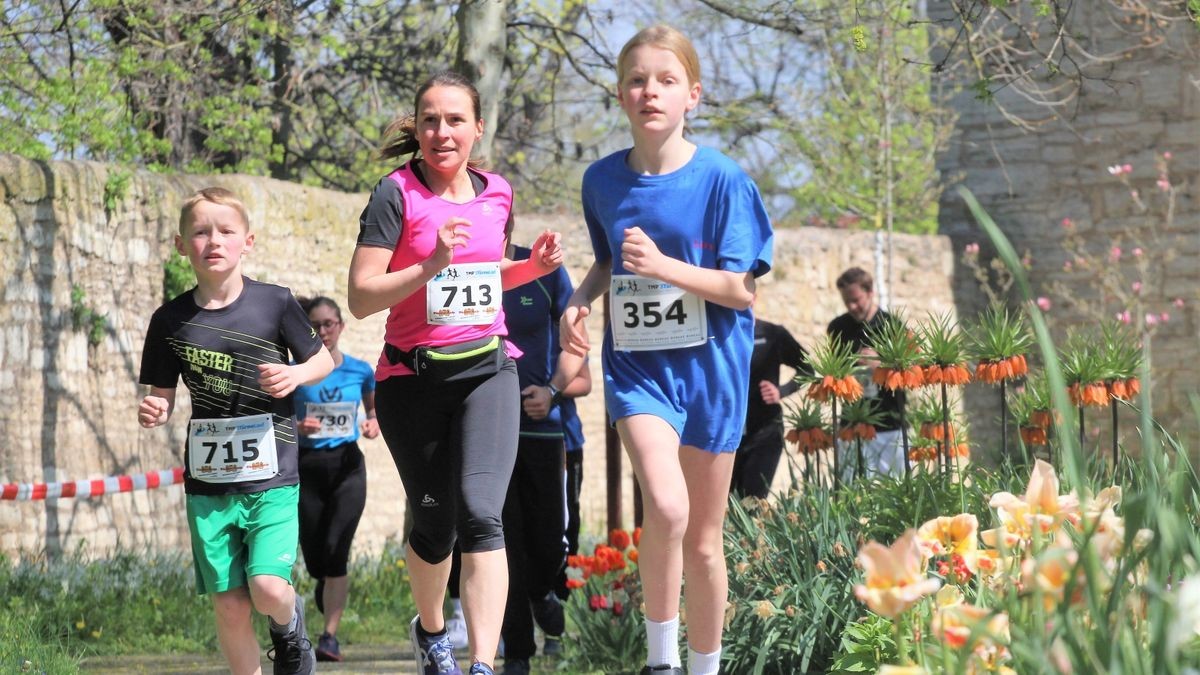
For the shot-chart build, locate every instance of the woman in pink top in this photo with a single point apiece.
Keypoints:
(431, 251)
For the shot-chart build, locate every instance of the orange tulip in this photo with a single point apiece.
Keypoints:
(619, 539)
(1041, 418)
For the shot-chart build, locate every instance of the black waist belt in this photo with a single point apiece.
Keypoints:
(456, 352)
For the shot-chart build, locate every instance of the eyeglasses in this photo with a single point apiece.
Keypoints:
(326, 324)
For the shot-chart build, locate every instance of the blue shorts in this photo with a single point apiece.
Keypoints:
(696, 396)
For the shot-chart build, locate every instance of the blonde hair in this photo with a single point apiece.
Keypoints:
(213, 195)
(665, 37)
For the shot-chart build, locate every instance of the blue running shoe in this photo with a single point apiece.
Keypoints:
(434, 653)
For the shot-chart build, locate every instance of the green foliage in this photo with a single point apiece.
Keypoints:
(83, 317)
(792, 565)
(605, 625)
(999, 334)
(178, 277)
(944, 344)
(115, 188)
(867, 644)
(872, 143)
(71, 604)
(298, 91)
(59, 611)
(600, 639)
(897, 347)
(26, 646)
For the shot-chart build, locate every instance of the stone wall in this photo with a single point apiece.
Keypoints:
(1136, 108)
(68, 410)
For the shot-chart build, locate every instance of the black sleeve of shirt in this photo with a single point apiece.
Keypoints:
(160, 367)
(298, 334)
(383, 218)
(792, 354)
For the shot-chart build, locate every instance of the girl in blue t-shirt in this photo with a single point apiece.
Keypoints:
(333, 475)
(679, 234)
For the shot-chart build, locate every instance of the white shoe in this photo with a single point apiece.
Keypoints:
(456, 630)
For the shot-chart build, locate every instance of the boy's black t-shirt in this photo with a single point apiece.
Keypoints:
(851, 330)
(217, 352)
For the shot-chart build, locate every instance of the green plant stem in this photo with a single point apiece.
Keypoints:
(859, 471)
(1081, 436)
(902, 399)
(837, 475)
(946, 429)
(901, 640)
(1003, 418)
(1112, 403)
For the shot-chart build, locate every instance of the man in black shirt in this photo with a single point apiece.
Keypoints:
(884, 454)
(762, 440)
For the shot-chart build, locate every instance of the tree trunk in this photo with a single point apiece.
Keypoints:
(482, 41)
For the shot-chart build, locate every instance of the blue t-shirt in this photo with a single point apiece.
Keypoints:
(707, 213)
(571, 424)
(531, 312)
(347, 383)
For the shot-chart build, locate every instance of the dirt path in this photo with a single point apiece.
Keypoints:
(359, 659)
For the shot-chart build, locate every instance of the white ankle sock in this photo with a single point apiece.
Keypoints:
(703, 664)
(662, 639)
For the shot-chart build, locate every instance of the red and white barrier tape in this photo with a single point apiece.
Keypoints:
(91, 488)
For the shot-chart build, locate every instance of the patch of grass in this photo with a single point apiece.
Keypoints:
(60, 611)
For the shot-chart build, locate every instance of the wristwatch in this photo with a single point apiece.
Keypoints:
(555, 395)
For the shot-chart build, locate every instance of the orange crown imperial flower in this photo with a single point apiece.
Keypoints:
(1125, 390)
(1034, 435)
(1089, 394)
(845, 389)
(896, 379)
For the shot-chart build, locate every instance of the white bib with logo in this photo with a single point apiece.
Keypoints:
(337, 419)
(648, 314)
(233, 449)
(468, 294)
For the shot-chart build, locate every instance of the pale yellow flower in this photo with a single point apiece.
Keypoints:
(948, 596)
(1050, 572)
(1042, 508)
(764, 609)
(951, 535)
(956, 623)
(895, 576)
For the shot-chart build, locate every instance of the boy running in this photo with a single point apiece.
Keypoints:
(229, 338)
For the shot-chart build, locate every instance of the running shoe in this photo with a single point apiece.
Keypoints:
(478, 668)
(328, 648)
(552, 646)
(456, 631)
(515, 667)
(434, 653)
(664, 669)
(292, 652)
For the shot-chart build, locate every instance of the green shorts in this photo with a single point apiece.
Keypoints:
(239, 536)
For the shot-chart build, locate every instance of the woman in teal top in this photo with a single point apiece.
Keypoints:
(333, 475)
